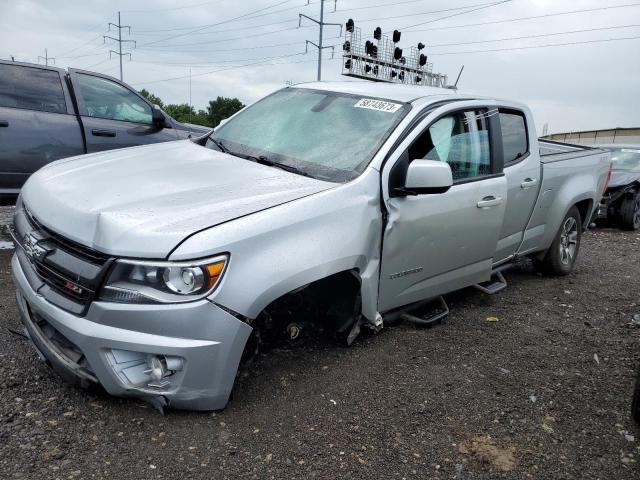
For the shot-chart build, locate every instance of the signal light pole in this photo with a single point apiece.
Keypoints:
(321, 23)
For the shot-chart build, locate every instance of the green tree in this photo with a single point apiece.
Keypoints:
(151, 97)
(221, 108)
(187, 114)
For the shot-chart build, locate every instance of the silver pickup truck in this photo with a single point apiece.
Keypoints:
(325, 206)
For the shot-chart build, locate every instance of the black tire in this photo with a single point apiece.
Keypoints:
(635, 403)
(562, 253)
(630, 213)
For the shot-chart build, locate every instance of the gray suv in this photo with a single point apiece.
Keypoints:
(48, 113)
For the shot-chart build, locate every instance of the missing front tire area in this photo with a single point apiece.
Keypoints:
(327, 310)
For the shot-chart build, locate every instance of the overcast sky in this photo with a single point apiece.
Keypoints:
(571, 87)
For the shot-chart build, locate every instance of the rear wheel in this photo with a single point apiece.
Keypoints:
(630, 213)
(561, 256)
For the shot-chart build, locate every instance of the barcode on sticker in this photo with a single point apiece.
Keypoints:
(378, 105)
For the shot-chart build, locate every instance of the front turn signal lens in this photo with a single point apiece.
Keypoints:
(214, 270)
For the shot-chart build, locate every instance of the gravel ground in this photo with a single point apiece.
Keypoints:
(6, 212)
(543, 393)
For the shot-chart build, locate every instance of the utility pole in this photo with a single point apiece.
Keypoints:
(46, 58)
(119, 26)
(321, 23)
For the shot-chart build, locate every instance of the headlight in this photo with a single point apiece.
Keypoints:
(139, 281)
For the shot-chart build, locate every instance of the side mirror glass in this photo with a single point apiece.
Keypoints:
(426, 176)
(157, 117)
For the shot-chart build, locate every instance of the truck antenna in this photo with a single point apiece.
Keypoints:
(455, 85)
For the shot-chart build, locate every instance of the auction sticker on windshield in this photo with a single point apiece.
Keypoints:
(379, 105)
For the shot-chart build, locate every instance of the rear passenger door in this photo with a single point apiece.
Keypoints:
(522, 170)
(114, 115)
(37, 122)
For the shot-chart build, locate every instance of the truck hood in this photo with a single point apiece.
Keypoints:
(143, 201)
(621, 177)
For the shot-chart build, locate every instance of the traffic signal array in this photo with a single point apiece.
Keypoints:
(381, 59)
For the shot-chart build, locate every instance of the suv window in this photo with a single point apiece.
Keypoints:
(514, 136)
(106, 99)
(461, 139)
(31, 89)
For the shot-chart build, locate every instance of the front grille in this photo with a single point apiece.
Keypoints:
(63, 284)
(78, 250)
(71, 273)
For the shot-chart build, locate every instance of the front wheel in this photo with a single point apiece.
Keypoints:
(562, 254)
(630, 213)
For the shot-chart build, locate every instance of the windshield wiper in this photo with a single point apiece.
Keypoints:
(288, 168)
(219, 144)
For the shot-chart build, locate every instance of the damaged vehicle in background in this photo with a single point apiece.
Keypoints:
(325, 207)
(620, 204)
(47, 113)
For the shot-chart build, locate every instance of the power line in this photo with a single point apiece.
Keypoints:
(289, 20)
(494, 22)
(256, 47)
(213, 71)
(250, 16)
(444, 53)
(368, 7)
(221, 41)
(533, 36)
(195, 5)
(502, 2)
(215, 24)
(484, 5)
(220, 62)
(538, 46)
(96, 64)
(85, 43)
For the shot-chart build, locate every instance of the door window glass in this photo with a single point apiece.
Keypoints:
(106, 99)
(31, 89)
(460, 139)
(514, 136)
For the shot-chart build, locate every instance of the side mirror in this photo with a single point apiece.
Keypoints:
(426, 176)
(157, 117)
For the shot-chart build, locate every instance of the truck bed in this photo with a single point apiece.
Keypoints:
(556, 151)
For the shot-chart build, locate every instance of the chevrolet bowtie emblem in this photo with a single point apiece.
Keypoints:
(33, 248)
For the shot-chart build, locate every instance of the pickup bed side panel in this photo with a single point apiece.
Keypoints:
(564, 184)
(278, 250)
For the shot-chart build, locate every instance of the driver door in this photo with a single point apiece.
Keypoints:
(113, 115)
(439, 242)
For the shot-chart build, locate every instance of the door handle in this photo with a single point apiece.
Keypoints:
(103, 133)
(489, 201)
(4, 123)
(528, 183)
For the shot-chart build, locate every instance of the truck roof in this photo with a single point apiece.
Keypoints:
(390, 91)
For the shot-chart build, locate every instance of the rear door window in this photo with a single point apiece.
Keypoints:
(104, 98)
(514, 136)
(31, 88)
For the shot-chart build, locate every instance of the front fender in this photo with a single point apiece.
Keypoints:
(275, 251)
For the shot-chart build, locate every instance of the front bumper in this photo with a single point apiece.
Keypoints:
(115, 338)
